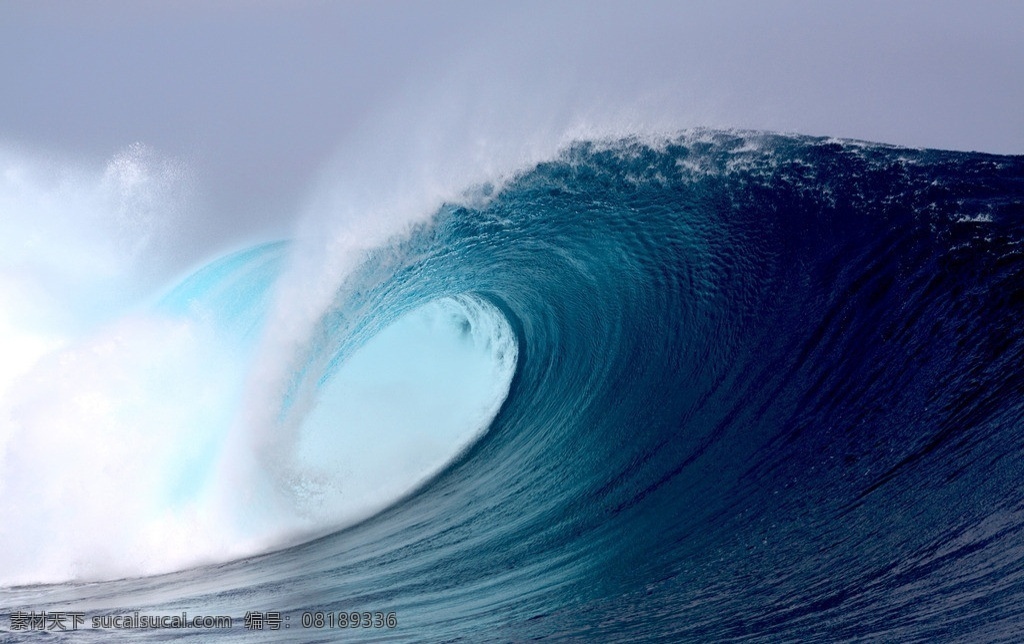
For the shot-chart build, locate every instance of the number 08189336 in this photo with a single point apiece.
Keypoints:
(344, 619)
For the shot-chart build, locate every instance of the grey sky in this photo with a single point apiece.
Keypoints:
(258, 96)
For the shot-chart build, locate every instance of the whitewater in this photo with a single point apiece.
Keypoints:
(710, 385)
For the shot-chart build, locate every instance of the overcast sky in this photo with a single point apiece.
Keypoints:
(258, 96)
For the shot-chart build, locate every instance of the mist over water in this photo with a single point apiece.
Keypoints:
(148, 415)
(199, 407)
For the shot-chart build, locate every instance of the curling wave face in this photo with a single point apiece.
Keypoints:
(758, 387)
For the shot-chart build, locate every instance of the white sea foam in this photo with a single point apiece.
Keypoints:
(134, 440)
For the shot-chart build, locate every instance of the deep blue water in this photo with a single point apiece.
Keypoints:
(768, 388)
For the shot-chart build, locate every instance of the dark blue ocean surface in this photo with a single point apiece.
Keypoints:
(769, 388)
